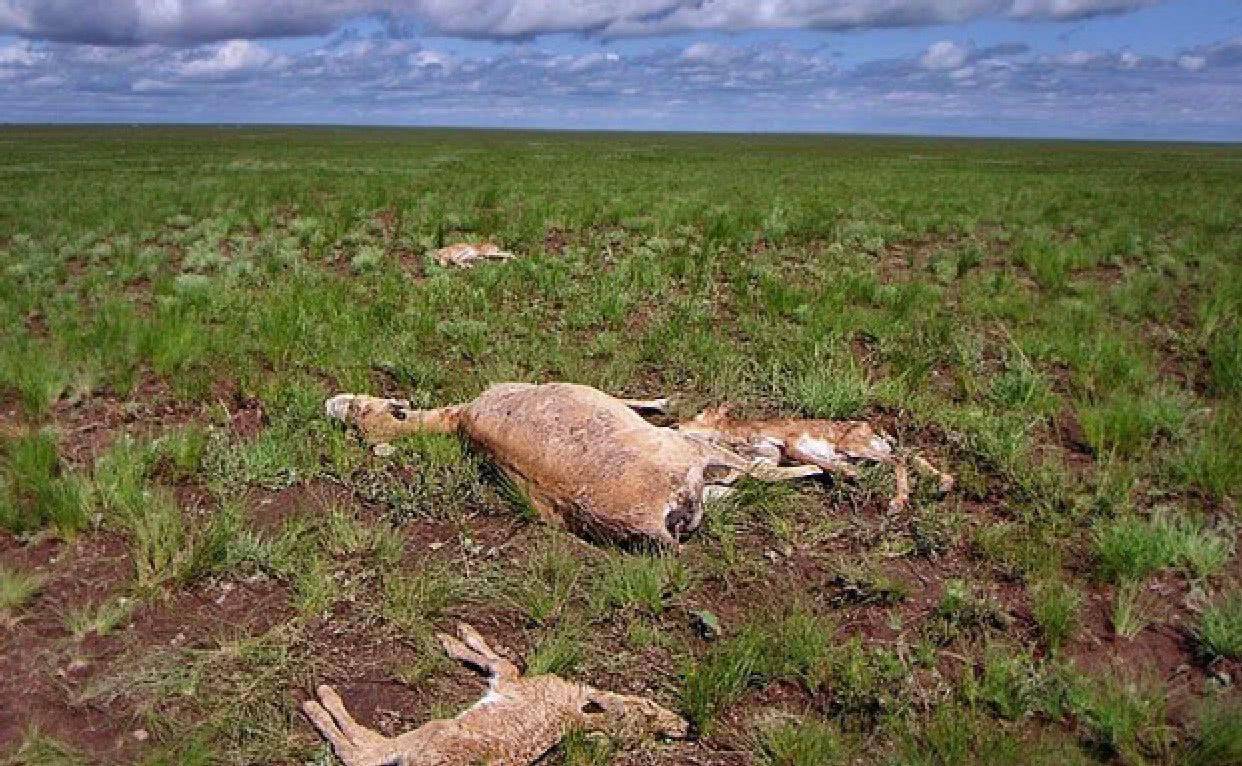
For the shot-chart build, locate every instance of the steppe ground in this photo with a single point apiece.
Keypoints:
(188, 546)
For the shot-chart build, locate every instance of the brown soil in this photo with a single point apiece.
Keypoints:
(45, 668)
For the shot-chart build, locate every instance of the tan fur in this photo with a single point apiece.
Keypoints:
(465, 255)
(514, 724)
(833, 445)
(589, 461)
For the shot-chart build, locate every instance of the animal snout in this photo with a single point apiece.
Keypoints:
(684, 517)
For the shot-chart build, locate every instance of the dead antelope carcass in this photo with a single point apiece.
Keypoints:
(590, 461)
(467, 254)
(518, 721)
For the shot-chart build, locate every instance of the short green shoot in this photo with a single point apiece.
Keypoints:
(412, 601)
(17, 588)
(550, 580)
(100, 619)
(1054, 605)
(1132, 611)
(1125, 717)
(35, 491)
(558, 653)
(647, 583)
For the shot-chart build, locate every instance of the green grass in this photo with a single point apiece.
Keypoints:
(551, 579)
(800, 743)
(17, 588)
(35, 490)
(1054, 323)
(1220, 627)
(793, 646)
(38, 749)
(1217, 737)
(1124, 717)
(412, 601)
(1130, 548)
(646, 583)
(35, 374)
(1133, 610)
(1055, 607)
(100, 619)
(965, 613)
(558, 653)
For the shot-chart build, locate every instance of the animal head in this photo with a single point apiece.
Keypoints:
(627, 717)
(712, 417)
(684, 511)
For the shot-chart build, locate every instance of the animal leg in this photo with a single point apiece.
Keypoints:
(353, 743)
(946, 481)
(473, 650)
(773, 473)
(659, 406)
(901, 482)
(381, 420)
(819, 452)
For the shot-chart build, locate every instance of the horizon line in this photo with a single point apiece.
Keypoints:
(982, 136)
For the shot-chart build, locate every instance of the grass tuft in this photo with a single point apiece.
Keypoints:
(17, 588)
(1220, 628)
(35, 490)
(805, 742)
(1054, 605)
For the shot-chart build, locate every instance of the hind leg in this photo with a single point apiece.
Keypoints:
(945, 481)
(352, 742)
(473, 650)
(658, 406)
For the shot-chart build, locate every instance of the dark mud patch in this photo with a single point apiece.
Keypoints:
(87, 428)
(269, 510)
(38, 664)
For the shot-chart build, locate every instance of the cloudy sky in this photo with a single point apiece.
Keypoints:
(1077, 68)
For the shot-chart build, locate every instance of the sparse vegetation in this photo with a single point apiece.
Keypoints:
(800, 743)
(37, 491)
(1124, 717)
(16, 589)
(1055, 607)
(1220, 627)
(1056, 325)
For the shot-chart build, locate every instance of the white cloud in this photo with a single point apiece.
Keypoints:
(151, 85)
(1191, 63)
(373, 78)
(428, 58)
(1077, 58)
(944, 54)
(180, 21)
(20, 53)
(1073, 9)
(228, 58)
(709, 53)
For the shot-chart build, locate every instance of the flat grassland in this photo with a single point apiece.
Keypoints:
(187, 547)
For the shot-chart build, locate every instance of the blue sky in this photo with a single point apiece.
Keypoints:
(1127, 69)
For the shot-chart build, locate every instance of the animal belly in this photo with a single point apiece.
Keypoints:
(581, 456)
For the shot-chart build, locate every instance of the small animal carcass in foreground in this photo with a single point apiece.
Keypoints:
(519, 719)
